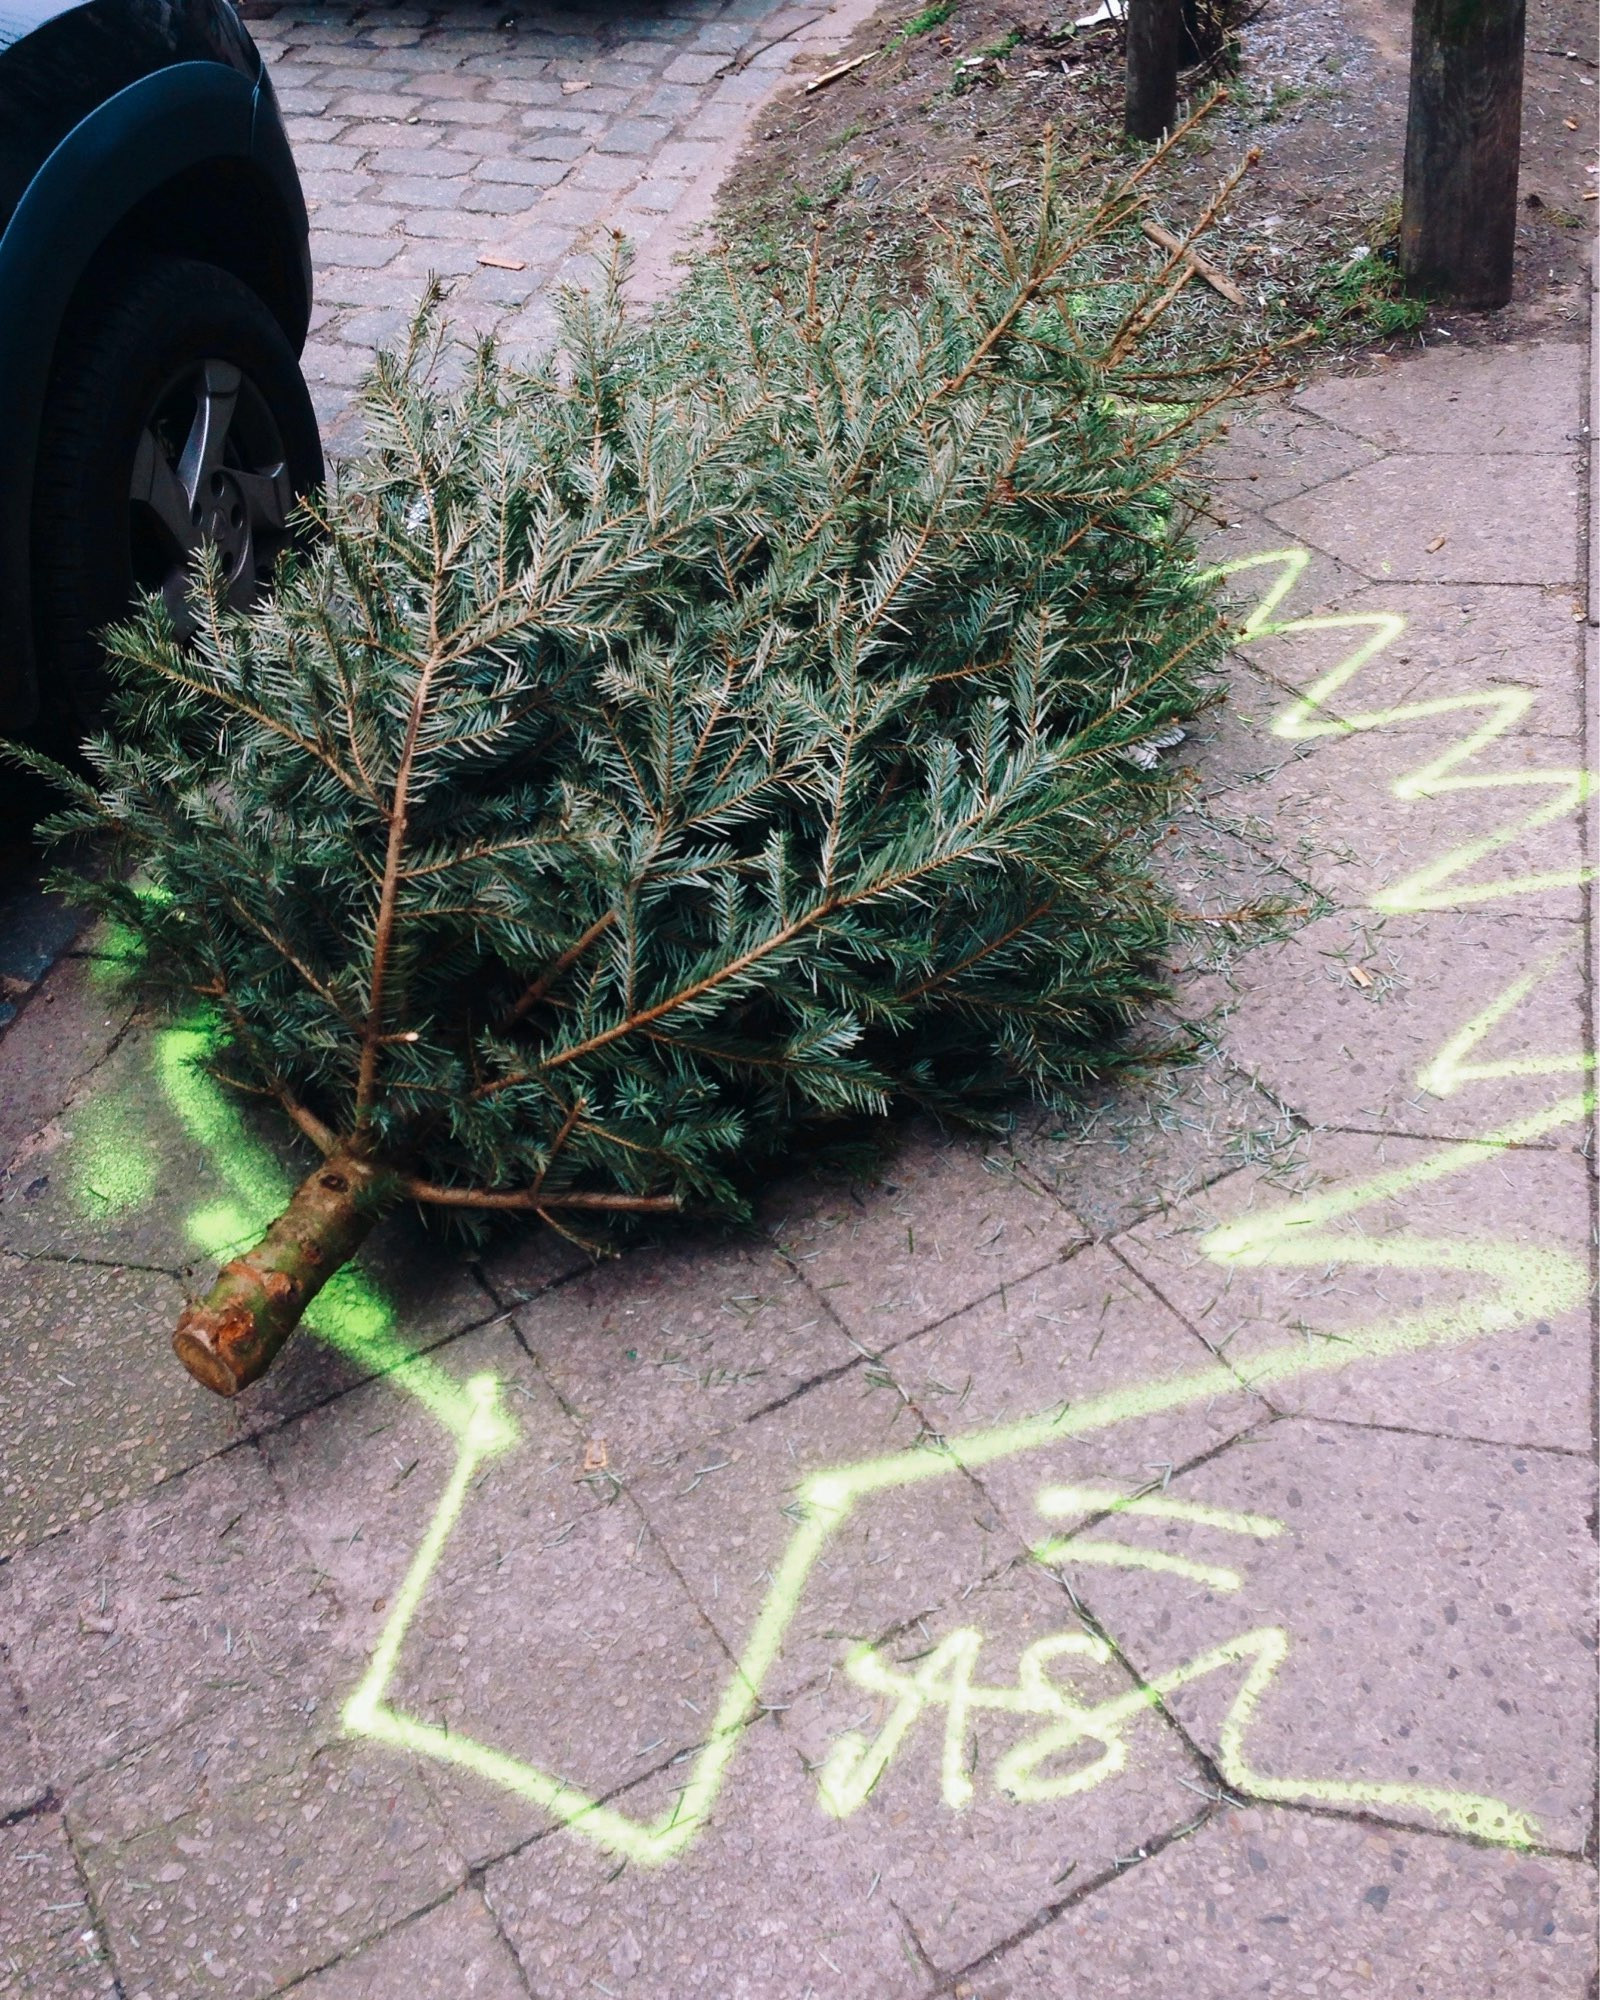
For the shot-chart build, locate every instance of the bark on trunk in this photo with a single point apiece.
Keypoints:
(229, 1339)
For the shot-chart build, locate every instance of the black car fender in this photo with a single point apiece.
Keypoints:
(183, 120)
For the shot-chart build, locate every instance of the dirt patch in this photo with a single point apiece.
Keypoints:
(1319, 86)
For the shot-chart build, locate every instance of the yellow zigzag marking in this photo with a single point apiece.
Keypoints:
(1521, 1284)
(1429, 888)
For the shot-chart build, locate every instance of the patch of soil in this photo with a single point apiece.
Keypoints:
(1319, 86)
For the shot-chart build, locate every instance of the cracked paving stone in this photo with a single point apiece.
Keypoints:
(1354, 1020)
(1091, 1342)
(726, 1512)
(252, 1887)
(1043, 1813)
(1491, 400)
(1490, 1360)
(21, 1785)
(946, 1223)
(48, 1946)
(1489, 519)
(1273, 452)
(1127, 1150)
(1429, 1605)
(95, 1409)
(551, 1629)
(769, 1898)
(454, 1949)
(190, 1625)
(661, 1347)
(1276, 1902)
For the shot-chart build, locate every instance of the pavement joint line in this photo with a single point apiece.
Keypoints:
(1583, 1452)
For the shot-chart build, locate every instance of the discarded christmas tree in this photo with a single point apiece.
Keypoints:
(739, 722)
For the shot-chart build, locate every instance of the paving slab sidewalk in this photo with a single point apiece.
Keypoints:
(1151, 1555)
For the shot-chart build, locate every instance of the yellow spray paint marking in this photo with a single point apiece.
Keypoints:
(944, 1679)
(1515, 1284)
(1450, 1069)
(1437, 885)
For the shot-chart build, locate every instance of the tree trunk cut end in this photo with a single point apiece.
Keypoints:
(230, 1338)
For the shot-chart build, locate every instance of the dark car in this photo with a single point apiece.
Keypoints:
(155, 290)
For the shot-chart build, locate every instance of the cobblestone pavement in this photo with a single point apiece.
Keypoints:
(491, 145)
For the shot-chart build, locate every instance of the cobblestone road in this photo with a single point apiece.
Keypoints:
(492, 144)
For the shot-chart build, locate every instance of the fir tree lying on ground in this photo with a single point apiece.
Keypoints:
(735, 723)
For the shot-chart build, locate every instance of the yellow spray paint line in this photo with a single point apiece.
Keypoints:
(1521, 1284)
(1437, 885)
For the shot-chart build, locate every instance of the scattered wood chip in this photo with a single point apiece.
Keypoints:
(838, 70)
(1592, 197)
(1219, 281)
(1437, 543)
(1359, 976)
(573, 85)
(1570, 123)
(594, 1455)
(496, 262)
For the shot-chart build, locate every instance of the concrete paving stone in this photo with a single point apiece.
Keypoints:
(396, 286)
(770, 1898)
(116, 1179)
(68, 1026)
(361, 1478)
(324, 189)
(749, 86)
(1271, 451)
(1343, 820)
(191, 1621)
(21, 1785)
(454, 1949)
(371, 327)
(48, 1946)
(1226, 866)
(721, 37)
(1294, 1904)
(95, 1409)
(1458, 641)
(664, 1347)
(1320, 584)
(1526, 398)
(549, 1604)
(1502, 519)
(524, 67)
(442, 85)
(305, 100)
(1133, 1148)
(255, 1887)
(946, 1223)
(727, 1510)
(504, 290)
(1435, 1600)
(1501, 1363)
(329, 362)
(570, 207)
(640, 52)
(1076, 1337)
(427, 226)
(968, 1874)
(1231, 745)
(716, 121)
(1344, 1021)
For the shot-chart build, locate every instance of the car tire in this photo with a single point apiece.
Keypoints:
(176, 413)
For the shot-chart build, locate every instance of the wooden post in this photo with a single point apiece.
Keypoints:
(1155, 34)
(1458, 224)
